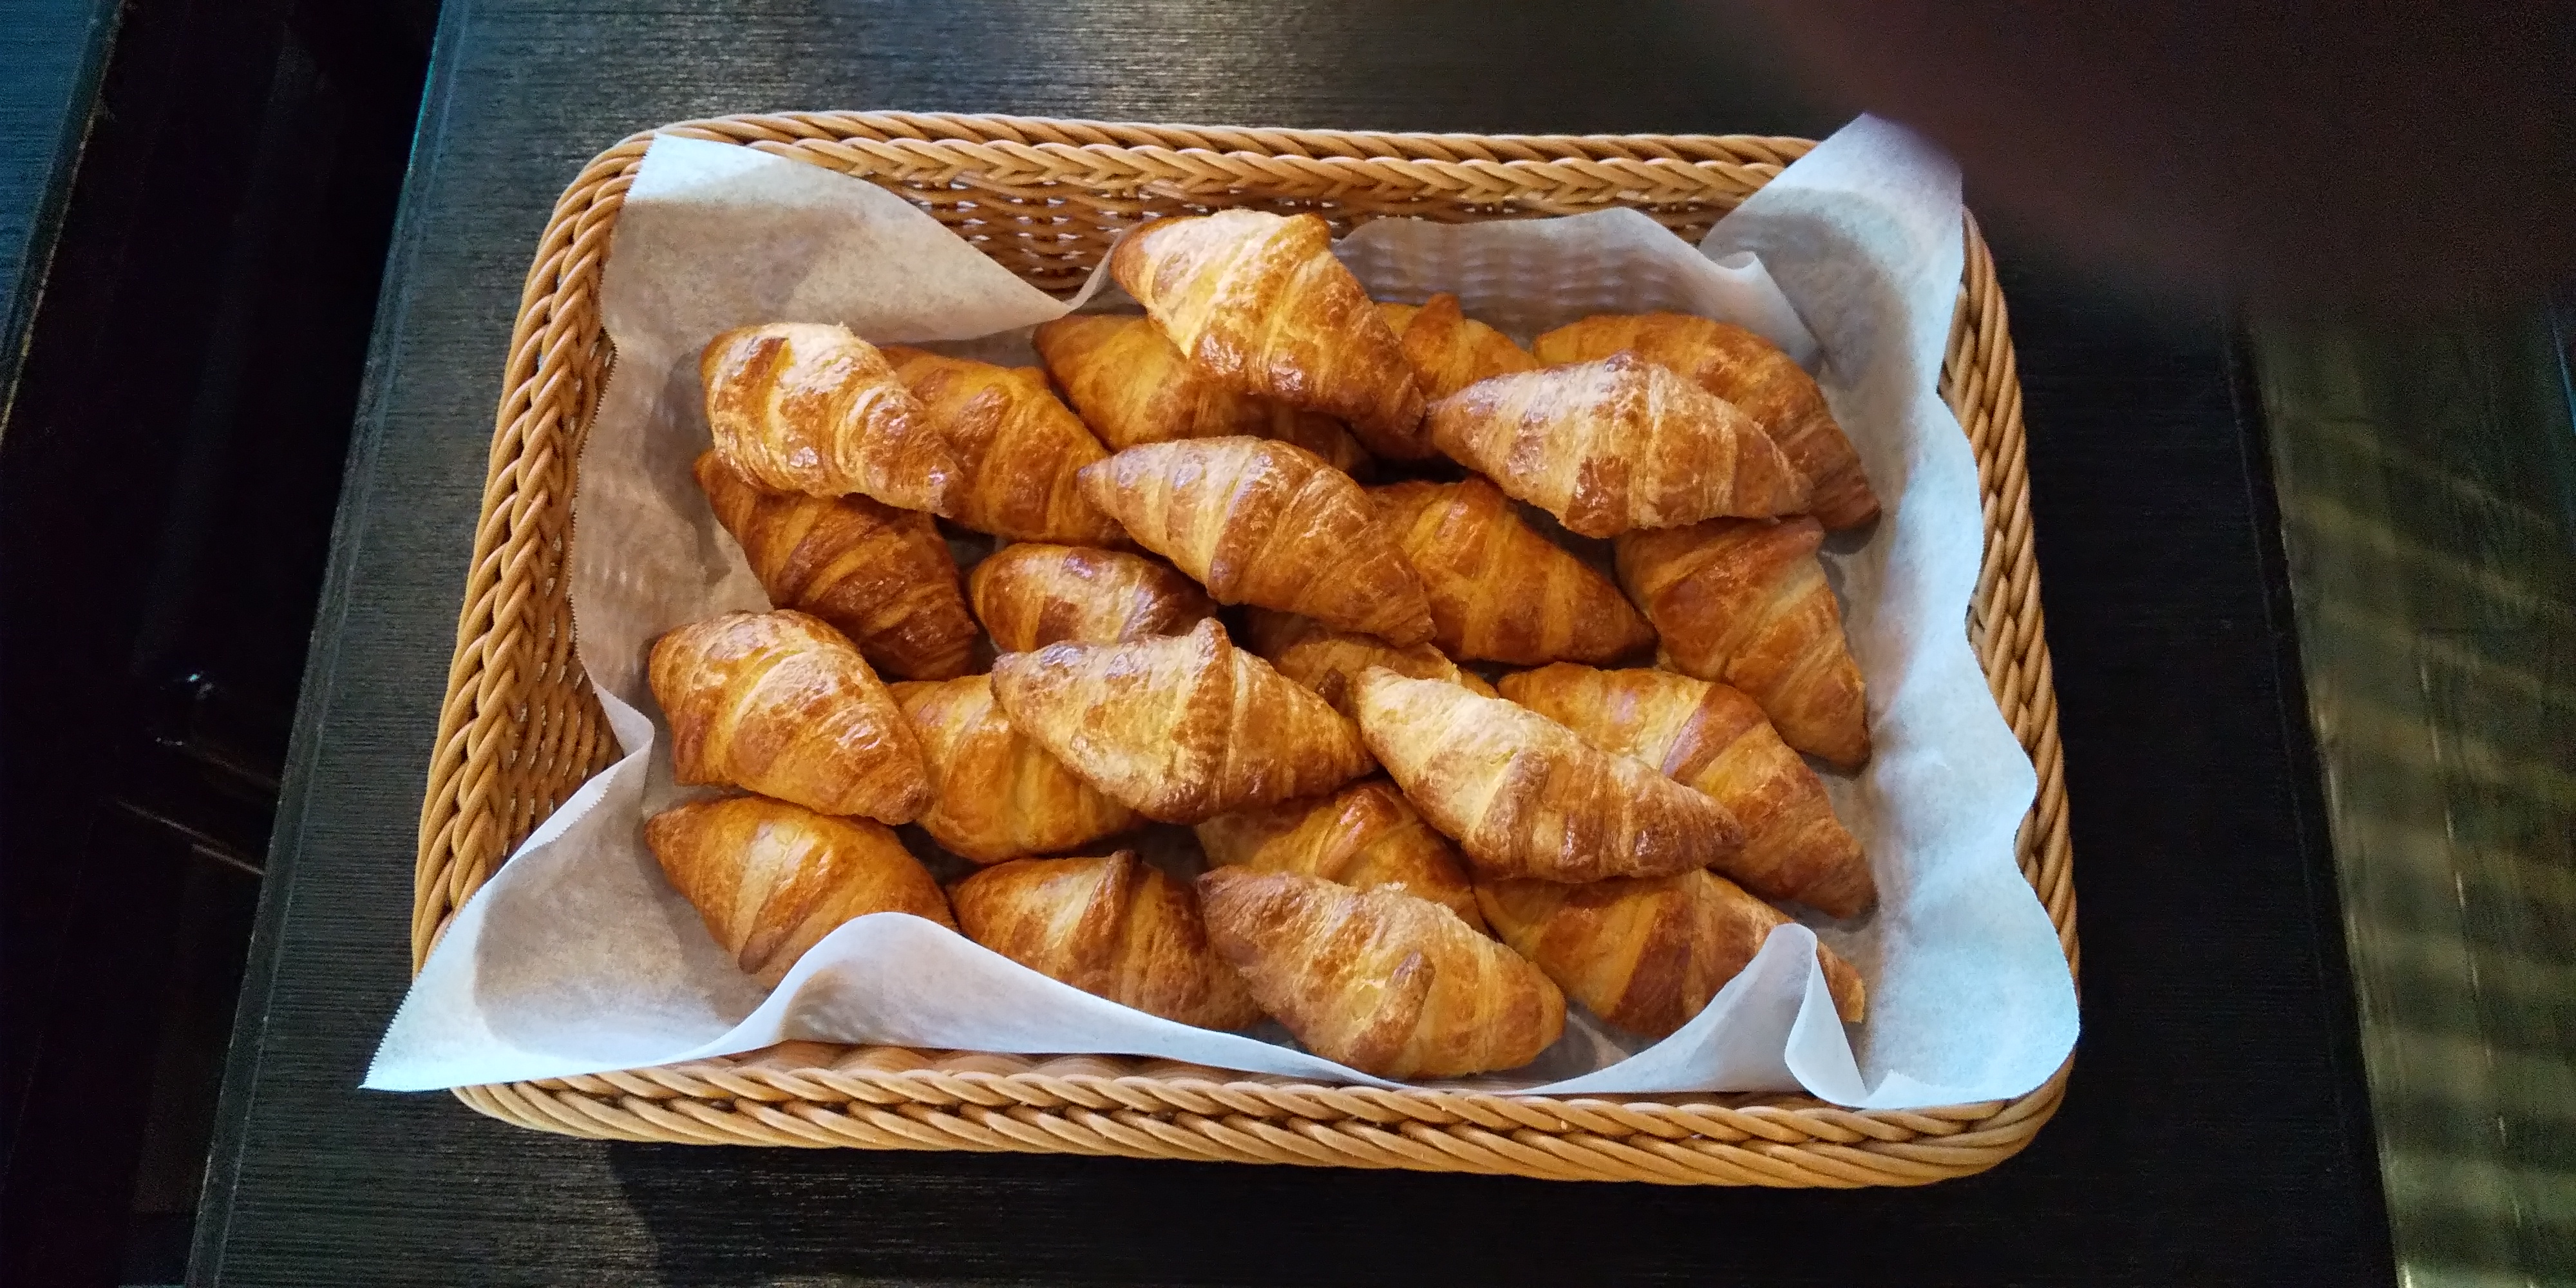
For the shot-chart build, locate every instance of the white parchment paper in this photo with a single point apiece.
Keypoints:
(577, 957)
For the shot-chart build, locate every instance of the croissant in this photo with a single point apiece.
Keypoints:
(1258, 303)
(1114, 927)
(879, 575)
(1449, 350)
(1647, 954)
(1259, 522)
(806, 407)
(995, 794)
(1016, 448)
(1327, 660)
(1712, 738)
(1029, 596)
(1746, 603)
(1133, 387)
(1498, 589)
(1748, 371)
(1181, 728)
(781, 704)
(1363, 836)
(1377, 979)
(1617, 444)
(1524, 797)
(771, 879)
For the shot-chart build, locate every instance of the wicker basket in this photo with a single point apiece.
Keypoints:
(520, 728)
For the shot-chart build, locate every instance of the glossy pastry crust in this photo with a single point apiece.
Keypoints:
(808, 407)
(1615, 445)
(995, 793)
(1258, 302)
(771, 879)
(1115, 927)
(881, 576)
(782, 704)
(1260, 522)
(1180, 728)
(1523, 796)
(1748, 371)
(1712, 738)
(1379, 980)
(1030, 595)
(1363, 836)
(1745, 603)
(1132, 387)
(1499, 590)
(1648, 954)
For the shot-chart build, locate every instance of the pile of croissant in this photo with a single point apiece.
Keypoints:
(1408, 864)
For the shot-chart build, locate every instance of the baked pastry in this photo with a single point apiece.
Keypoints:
(1617, 444)
(1181, 728)
(1132, 387)
(1748, 371)
(1030, 595)
(771, 879)
(808, 407)
(1745, 603)
(1449, 350)
(1498, 589)
(1327, 660)
(1259, 522)
(1710, 737)
(1379, 980)
(1524, 797)
(879, 575)
(1015, 445)
(1258, 303)
(995, 794)
(1114, 927)
(1647, 954)
(1363, 836)
(781, 704)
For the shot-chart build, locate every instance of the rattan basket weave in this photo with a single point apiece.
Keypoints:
(520, 728)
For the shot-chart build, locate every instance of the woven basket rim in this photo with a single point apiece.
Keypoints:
(1321, 142)
(891, 1097)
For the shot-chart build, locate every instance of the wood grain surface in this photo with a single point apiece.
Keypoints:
(2214, 1130)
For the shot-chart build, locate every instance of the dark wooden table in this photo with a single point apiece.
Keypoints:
(2214, 1131)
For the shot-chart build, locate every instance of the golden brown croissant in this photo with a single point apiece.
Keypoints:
(1133, 387)
(781, 704)
(1182, 728)
(1748, 371)
(1363, 836)
(1524, 797)
(1114, 927)
(1015, 445)
(1259, 522)
(1258, 302)
(1030, 596)
(1715, 739)
(1449, 350)
(807, 407)
(1379, 980)
(995, 794)
(879, 575)
(1328, 661)
(1647, 954)
(1617, 444)
(771, 879)
(1745, 603)
(1498, 589)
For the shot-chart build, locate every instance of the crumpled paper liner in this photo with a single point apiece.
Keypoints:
(578, 958)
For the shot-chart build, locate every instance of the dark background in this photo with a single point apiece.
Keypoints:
(168, 476)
